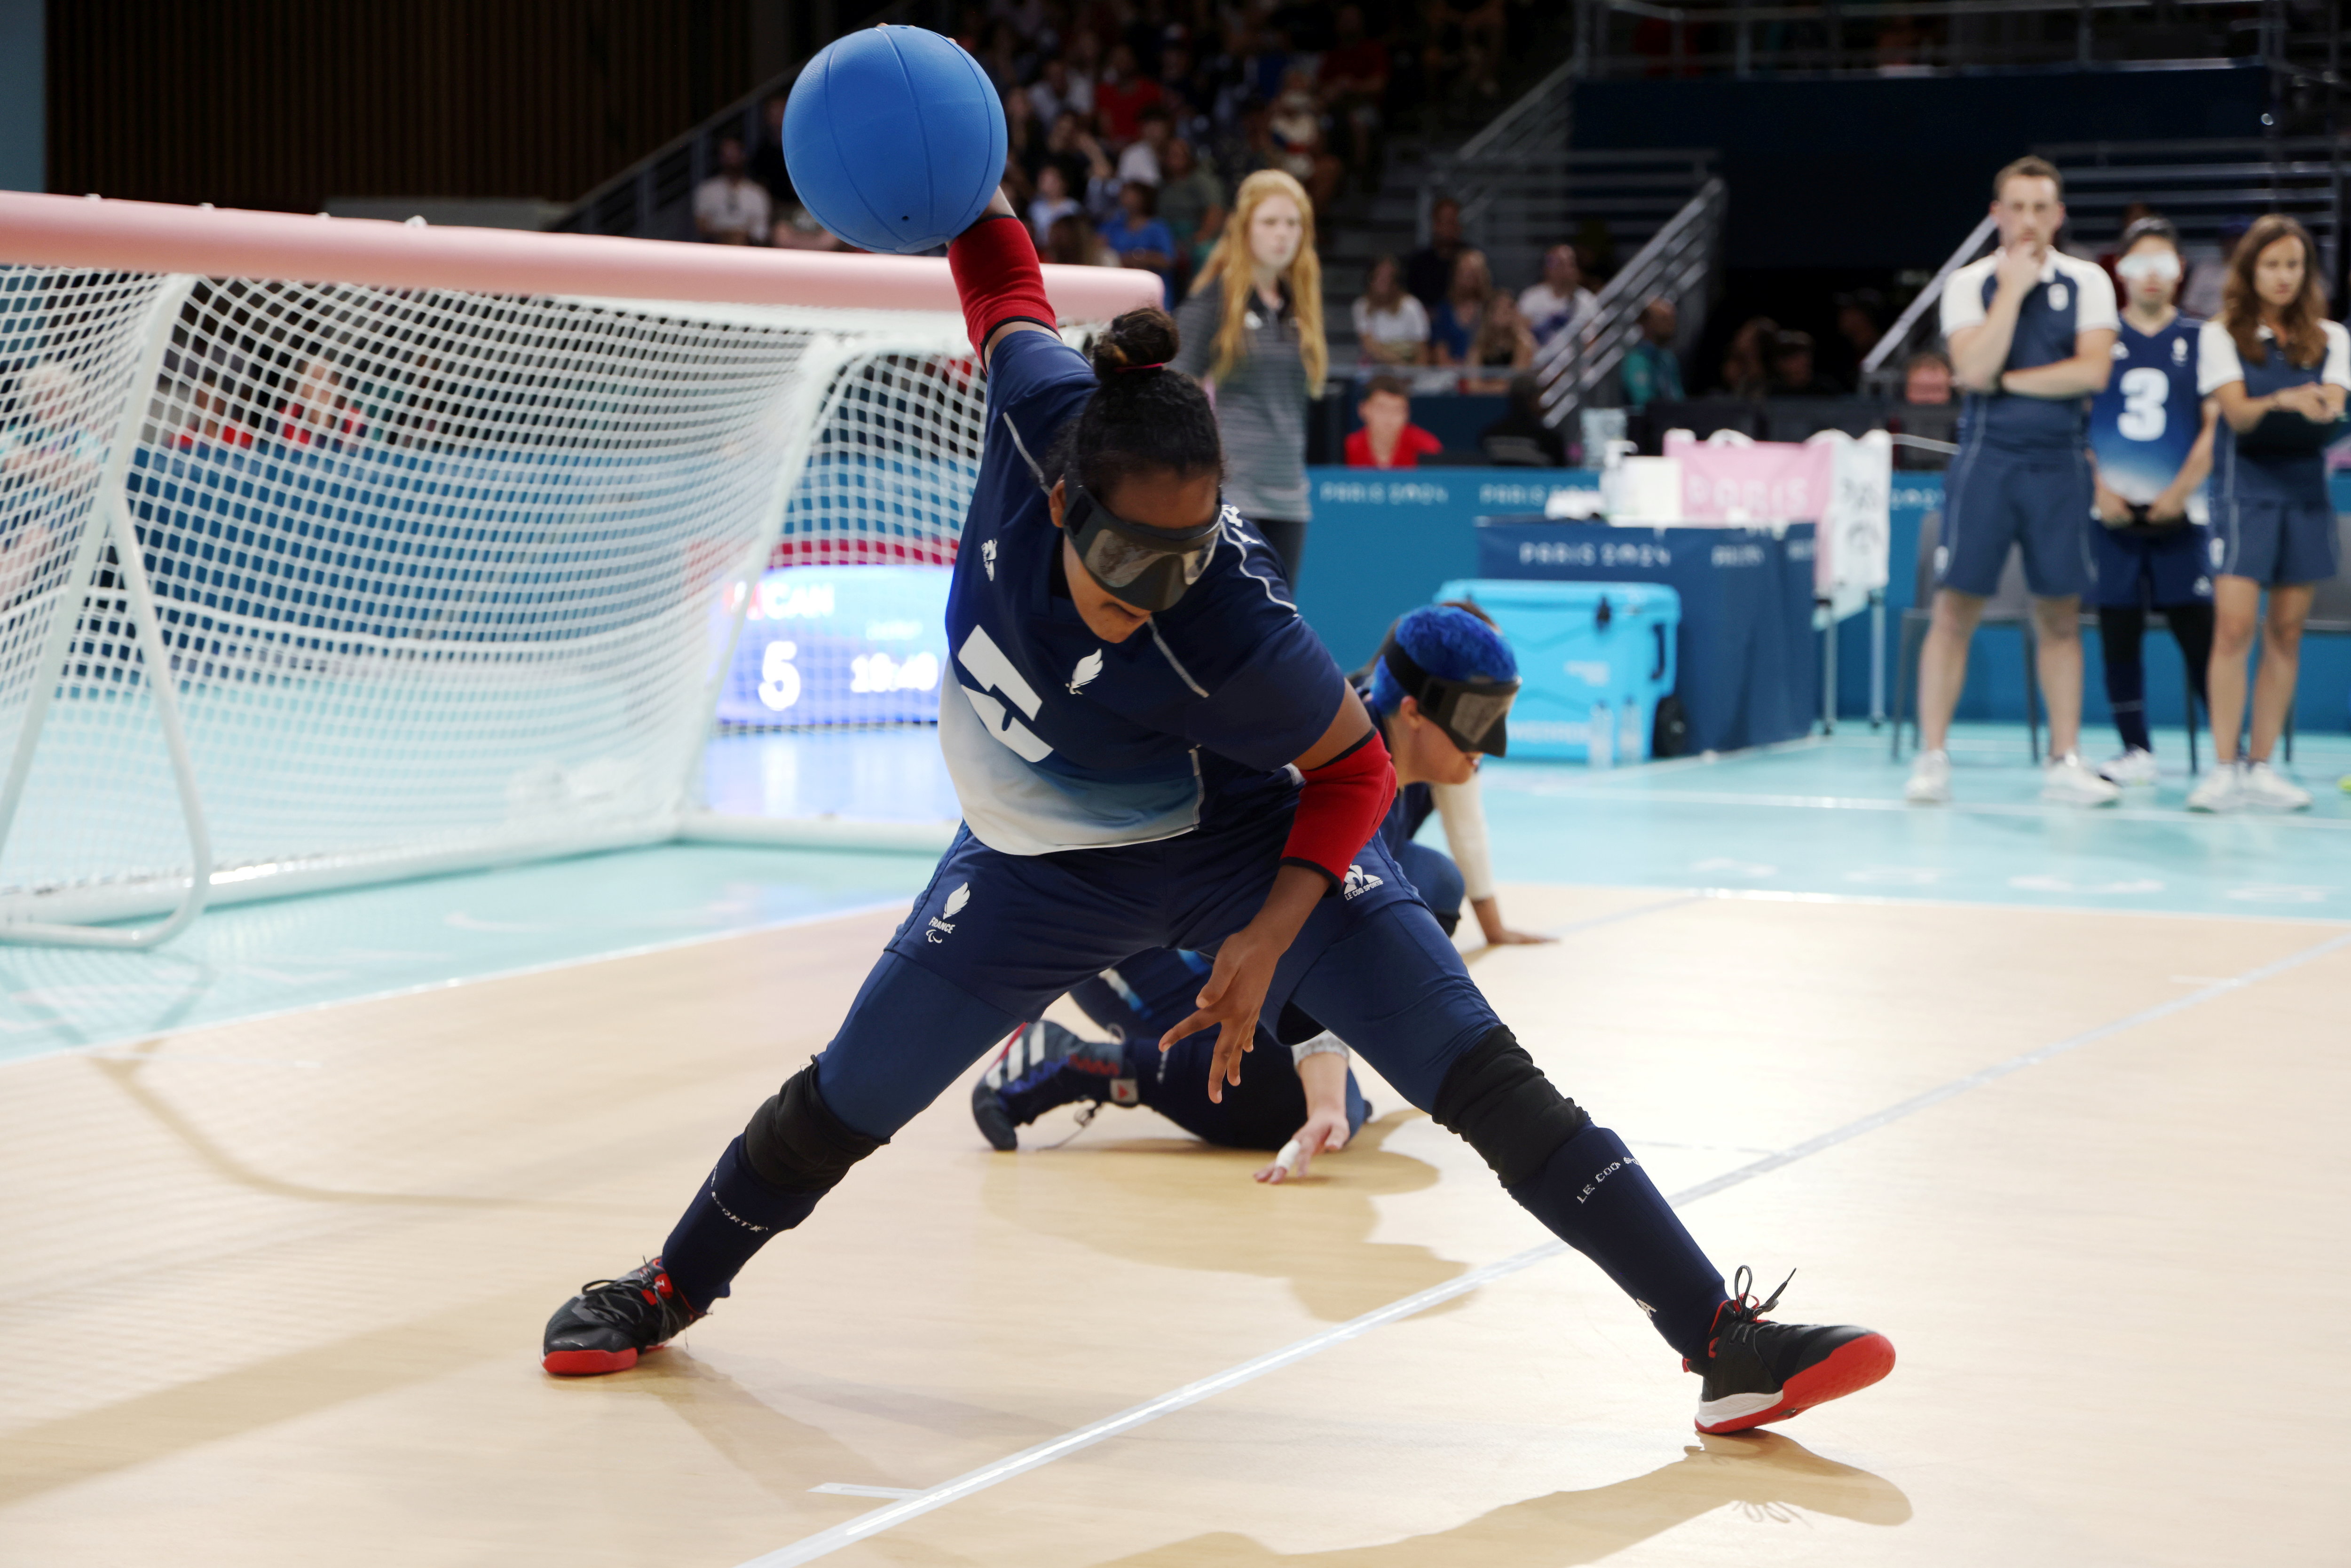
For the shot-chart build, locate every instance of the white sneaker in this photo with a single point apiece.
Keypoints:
(2265, 788)
(2069, 780)
(2136, 766)
(2220, 790)
(1931, 780)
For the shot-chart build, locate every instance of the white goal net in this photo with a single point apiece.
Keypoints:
(442, 579)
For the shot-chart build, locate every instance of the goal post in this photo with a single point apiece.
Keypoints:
(443, 537)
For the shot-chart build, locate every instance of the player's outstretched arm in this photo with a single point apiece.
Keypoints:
(1349, 783)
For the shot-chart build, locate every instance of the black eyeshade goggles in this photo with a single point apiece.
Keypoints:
(1147, 568)
(1471, 713)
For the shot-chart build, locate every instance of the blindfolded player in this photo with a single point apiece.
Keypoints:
(1439, 691)
(1151, 750)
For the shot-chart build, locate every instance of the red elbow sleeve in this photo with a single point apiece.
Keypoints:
(997, 277)
(1340, 808)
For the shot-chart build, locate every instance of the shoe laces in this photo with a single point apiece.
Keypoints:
(635, 1302)
(1742, 1307)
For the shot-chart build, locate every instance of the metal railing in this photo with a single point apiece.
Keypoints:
(652, 198)
(1680, 263)
(2200, 185)
(1516, 205)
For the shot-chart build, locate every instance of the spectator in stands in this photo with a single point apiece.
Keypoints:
(767, 165)
(1860, 322)
(729, 208)
(1388, 439)
(1560, 301)
(1253, 330)
(1502, 343)
(1024, 148)
(1054, 201)
(1927, 378)
(1793, 373)
(1072, 242)
(1053, 93)
(1391, 326)
(1650, 370)
(1144, 162)
(1192, 206)
(1746, 371)
(1453, 325)
(1299, 150)
(2032, 331)
(1139, 238)
(1428, 271)
(1122, 96)
(1355, 83)
(1521, 438)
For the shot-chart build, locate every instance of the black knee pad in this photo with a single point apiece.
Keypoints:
(797, 1145)
(1499, 1100)
(1295, 1026)
(1448, 920)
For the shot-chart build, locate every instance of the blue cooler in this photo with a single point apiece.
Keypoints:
(1594, 660)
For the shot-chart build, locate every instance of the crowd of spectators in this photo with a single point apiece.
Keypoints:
(1131, 122)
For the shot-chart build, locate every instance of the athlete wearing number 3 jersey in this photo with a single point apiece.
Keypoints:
(1151, 750)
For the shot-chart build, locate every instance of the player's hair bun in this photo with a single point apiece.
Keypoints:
(1138, 339)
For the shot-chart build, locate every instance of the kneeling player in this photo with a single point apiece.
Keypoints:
(1151, 750)
(1432, 657)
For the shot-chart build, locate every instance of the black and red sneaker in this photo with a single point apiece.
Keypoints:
(604, 1327)
(1758, 1372)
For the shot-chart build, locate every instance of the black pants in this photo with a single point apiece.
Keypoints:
(2121, 629)
(1288, 538)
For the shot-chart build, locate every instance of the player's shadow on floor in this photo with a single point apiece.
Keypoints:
(1769, 1477)
(1176, 1202)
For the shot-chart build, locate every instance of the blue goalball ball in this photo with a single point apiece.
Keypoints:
(895, 138)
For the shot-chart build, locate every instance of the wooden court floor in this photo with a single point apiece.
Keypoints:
(276, 1288)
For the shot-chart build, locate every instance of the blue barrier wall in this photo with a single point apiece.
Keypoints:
(1383, 541)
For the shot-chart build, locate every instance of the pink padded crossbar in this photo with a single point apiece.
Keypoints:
(152, 236)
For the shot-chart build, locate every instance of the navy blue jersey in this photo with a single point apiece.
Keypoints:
(2297, 477)
(1056, 740)
(2072, 297)
(2145, 423)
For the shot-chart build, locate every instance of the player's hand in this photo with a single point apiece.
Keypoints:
(2019, 265)
(1230, 1002)
(2306, 401)
(1497, 935)
(1325, 1132)
(2113, 510)
(2167, 509)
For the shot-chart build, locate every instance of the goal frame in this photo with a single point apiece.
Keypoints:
(188, 245)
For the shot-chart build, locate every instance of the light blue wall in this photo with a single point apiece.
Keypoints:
(24, 162)
(1383, 541)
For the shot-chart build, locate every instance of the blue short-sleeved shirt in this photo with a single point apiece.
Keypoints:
(2073, 297)
(2145, 423)
(1058, 740)
(2292, 478)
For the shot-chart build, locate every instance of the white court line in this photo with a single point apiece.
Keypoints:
(670, 945)
(1986, 808)
(865, 1525)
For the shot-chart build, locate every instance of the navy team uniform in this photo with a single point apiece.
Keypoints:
(2021, 476)
(2142, 428)
(2272, 519)
(1130, 796)
(1141, 999)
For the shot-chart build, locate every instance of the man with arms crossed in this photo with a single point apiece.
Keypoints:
(2031, 332)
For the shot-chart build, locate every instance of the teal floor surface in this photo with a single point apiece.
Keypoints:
(1816, 819)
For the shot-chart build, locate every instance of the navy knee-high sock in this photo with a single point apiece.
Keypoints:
(2122, 630)
(732, 1217)
(1593, 1195)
